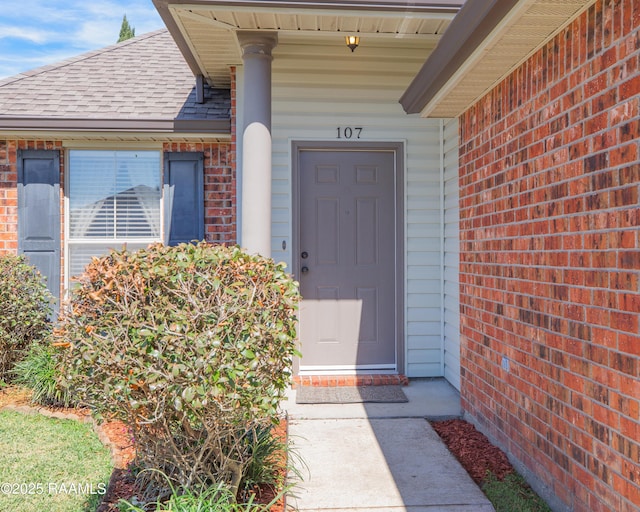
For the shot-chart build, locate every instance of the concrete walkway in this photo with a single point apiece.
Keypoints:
(380, 457)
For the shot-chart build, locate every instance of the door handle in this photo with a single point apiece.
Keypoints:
(304, 270)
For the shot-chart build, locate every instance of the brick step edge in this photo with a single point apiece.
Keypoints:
(349, 380)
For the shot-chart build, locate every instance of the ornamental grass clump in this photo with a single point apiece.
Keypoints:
(25, 307)
(191, 346)
(38, 371)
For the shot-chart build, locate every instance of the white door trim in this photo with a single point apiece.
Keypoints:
(398, 148)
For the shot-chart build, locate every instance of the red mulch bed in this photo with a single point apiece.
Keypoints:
(472, 448)
(121, 486)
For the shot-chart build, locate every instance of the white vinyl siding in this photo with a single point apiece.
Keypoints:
(451, 255)
(318, 88)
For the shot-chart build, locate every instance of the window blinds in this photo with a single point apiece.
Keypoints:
(114, 194)
(114, 199)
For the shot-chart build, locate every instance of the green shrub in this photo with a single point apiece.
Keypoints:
(25, 304)
(38, 371)
(191, 346)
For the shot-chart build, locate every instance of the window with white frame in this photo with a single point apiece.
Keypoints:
(114, 200)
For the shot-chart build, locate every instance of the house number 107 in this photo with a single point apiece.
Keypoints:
(348, 132)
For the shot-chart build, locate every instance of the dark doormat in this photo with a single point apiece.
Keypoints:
(349, 394)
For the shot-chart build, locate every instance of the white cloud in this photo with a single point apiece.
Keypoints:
(65, 27)
(10, 66)
(97, 33)
(33, 35)
(52, 15)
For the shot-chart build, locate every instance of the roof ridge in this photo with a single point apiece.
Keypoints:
(78, 58)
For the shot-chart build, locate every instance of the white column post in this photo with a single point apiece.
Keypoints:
(256, 140)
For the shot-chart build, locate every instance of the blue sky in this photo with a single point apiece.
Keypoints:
(34, 33)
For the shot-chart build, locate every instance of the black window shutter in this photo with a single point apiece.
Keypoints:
(183, 197)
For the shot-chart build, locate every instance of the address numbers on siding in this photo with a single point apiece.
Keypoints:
(349, 132)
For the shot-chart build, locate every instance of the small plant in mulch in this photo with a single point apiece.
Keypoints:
(264, 492)
(216, 498)
(489, 467)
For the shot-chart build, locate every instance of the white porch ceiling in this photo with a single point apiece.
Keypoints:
(528, 26)
(209, 30)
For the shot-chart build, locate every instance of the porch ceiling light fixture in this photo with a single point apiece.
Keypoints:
(352, 42)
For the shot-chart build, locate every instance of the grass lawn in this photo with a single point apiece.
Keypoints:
(50, 465)
(513, 493)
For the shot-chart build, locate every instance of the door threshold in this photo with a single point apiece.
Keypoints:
(379, 379)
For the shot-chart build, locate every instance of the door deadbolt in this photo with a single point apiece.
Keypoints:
(304, 255)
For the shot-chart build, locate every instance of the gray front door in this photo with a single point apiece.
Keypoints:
(347, 259)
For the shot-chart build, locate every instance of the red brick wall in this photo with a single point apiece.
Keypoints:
(219, 183)
(550, 261)
(8, 198)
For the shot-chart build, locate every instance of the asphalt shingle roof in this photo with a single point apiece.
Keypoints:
(144, 78)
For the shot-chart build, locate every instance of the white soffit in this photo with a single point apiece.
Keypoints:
(523, 31)
(210, 30)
